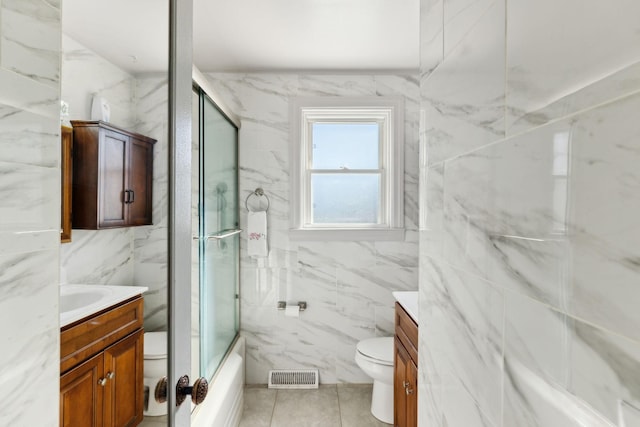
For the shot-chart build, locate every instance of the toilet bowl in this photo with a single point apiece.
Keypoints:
(375, 357)
(155, 367)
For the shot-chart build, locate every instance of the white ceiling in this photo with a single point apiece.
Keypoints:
(255, 35)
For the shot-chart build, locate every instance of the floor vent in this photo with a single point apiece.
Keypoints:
(293, 378)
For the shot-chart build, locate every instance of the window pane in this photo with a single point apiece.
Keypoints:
(345, 199)
(345, 146)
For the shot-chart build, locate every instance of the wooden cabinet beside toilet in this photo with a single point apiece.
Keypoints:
(405, 370)
(101, 365)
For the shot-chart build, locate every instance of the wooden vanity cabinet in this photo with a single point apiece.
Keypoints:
(81, 396)
(405, 405)
(102, 359)
(112, 176)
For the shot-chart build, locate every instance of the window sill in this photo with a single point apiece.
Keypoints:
(347, 234)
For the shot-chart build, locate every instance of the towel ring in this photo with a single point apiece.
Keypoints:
(259, 192)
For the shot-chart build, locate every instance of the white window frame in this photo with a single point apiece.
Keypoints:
(389, 113)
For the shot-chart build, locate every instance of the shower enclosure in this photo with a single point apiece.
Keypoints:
(218, 234)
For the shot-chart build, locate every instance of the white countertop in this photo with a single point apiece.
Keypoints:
(80, 301)
(409, 301)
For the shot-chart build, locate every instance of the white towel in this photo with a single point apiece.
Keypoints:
(257, 234)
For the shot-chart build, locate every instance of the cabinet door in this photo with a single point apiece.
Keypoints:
(81, 396)
(412, 396)
(113, 179)
(140, 203)
(402, 360)
(123, 364)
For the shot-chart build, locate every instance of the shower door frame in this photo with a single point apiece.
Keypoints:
(202, 87)
(179, 201)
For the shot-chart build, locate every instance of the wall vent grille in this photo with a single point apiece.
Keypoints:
(293, 378)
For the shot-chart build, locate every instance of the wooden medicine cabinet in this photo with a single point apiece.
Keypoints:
(112, 176)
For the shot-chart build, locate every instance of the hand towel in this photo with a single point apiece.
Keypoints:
(257, 234)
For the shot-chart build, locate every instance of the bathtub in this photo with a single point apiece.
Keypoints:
(223, 405)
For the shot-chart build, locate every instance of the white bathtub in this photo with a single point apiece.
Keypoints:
(223, 405)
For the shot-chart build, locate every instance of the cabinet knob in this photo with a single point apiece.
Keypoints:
(102, 382)
(110, 375)
(405, 384)
(408, 391)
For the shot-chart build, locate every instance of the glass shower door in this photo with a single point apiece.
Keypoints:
(219, 236)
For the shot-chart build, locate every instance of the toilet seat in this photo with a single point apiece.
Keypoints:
(377, 350)
(155, 345)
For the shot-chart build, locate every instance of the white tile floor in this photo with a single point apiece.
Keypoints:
(328, 406)
(154, 422)
(345, 405)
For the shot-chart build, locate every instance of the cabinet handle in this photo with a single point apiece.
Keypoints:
(129, 197)
(405, 384)
(102, 382)
(111, 375)
(408, 391)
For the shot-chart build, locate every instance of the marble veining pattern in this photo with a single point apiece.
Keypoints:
(125, 256)
(529, 192)
(30, 40)
(85, 73)
(431, 34)
(463, 98)
(349, 295)
(98, 258)
(30, 33)
(550, 75)
(150, 242)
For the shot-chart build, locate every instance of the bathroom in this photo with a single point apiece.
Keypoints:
(519, 214)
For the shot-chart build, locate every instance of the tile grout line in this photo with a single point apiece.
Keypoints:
(339, 406)
(273, 408)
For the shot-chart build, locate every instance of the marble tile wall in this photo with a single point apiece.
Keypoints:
(528, 225)
(121, 256)
(30, 49)
(347, 285)
(150, 242)
(85, 74)
(102, 257)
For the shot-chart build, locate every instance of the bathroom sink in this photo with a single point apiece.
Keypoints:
(82, 298)
(409, 301)
(80, 301)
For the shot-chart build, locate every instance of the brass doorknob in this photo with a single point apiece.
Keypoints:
(160, 393)
(198, 391)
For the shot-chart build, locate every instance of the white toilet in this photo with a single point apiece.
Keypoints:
(155, 367)
(375, 357)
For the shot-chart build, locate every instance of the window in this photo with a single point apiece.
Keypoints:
(347, 168)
